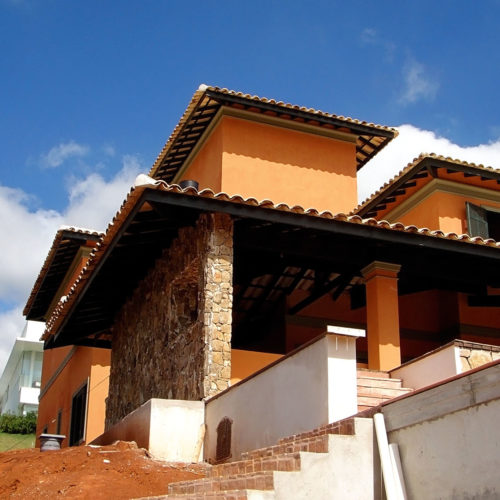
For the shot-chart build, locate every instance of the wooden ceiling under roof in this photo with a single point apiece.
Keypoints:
(370, 138)
(274, 253)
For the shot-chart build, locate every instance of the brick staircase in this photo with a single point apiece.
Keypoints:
(376, 387)
(254, 476)
(273, 472)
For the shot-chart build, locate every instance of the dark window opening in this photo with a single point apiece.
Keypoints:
(223, 449)
(482, 221)
(59, 422)
(78, 410)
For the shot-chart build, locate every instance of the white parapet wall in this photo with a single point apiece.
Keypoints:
(310, 387)
(447, 361)
(170, 429)
(448, 436)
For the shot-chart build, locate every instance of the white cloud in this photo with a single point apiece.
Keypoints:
(418, 84)
(408, 145)
(92, 203)
(12, 324)
(60, 153)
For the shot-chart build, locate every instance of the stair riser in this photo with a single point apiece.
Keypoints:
(315, 445)
(382, 393)
(388, 383)
(256, 481)
(284, 463)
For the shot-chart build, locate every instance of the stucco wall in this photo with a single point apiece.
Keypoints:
(171, 339)
(304, 390)
(448, 438)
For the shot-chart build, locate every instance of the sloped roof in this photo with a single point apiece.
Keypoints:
(207, 101)
(66, 243)
(148, 190)
(424, 165)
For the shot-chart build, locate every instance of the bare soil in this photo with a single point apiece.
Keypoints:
(119, 471)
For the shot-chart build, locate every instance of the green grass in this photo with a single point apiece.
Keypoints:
(16, 441)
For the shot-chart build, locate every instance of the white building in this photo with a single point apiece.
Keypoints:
(21, 377)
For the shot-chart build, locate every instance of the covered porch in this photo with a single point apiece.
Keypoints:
(259, 280)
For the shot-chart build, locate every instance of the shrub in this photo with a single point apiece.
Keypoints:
(18, 424)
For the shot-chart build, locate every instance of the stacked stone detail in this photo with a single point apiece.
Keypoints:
(172, 338)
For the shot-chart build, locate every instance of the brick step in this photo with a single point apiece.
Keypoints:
(364, 407)
(372, 400)
(345, 427)
(285, 462)
(379, 382)
(314, 444)
(224, 495)
(382, 392)
(254, 481)
(365, 372)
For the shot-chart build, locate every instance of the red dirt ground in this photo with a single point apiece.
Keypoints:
(118, 471)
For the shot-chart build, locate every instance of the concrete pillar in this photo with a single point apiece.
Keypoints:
(342, 372)
(382, 314)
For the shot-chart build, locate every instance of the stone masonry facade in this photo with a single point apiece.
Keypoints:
(172, 338)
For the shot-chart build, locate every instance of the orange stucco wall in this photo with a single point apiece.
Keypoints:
(269, 162)
(444, 211)
(206, 168)
(245, 363)
(84, 364)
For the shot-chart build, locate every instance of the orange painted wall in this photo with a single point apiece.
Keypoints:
(270, 162)
(245, 363)
(86, 363)
(487, 317)
(444, 211)
(206, 168)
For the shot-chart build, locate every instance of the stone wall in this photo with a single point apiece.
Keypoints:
(172, 338)
(473, 355)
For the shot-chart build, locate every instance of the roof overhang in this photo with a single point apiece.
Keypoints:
(208, 101)
(66, 244)
(267, 238)
(426, 166)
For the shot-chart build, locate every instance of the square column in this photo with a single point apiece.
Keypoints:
(342, 372)
(382, 314)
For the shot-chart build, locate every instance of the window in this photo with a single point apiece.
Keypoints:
(483, 221)
(78, 411)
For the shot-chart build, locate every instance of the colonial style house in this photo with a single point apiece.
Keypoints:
(239, 281)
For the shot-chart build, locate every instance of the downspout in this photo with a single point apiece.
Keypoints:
(390, 462)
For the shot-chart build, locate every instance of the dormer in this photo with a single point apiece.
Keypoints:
(256, 147)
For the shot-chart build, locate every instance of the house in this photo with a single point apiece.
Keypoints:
(239, 286)
(74, 378)
(21, 377)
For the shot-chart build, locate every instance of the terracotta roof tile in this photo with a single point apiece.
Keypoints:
(64, 305)
(414, 165)
(64, 232)
(374, 137)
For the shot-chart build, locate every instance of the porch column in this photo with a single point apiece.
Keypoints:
(382, 315)
(217, 301)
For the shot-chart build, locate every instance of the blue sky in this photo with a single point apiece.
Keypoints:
(92, 89)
